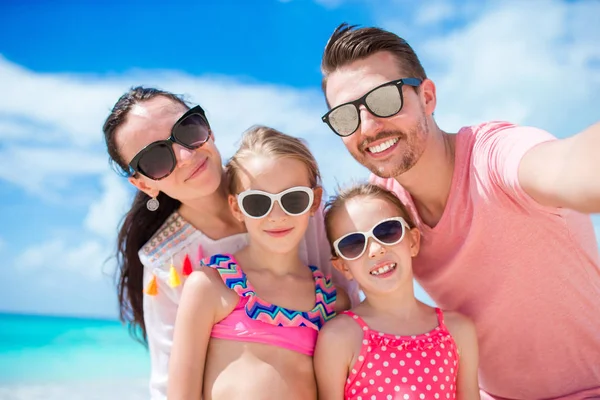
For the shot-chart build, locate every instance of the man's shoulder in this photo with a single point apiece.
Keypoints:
(487, 132)
(483, 130)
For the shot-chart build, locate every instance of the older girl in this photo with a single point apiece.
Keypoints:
(248, 322)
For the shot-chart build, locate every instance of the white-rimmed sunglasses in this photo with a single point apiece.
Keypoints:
(388, 232)
(258, 204)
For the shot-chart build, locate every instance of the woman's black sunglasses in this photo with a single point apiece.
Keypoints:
(157, 160)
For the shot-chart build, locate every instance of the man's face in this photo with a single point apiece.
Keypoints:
(388, 146)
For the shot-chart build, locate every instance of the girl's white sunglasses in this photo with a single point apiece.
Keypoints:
(388, 232)
(258, 204)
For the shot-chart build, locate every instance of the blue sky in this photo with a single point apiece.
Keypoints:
(63, 65)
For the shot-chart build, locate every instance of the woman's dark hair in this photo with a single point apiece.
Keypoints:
(139, 224)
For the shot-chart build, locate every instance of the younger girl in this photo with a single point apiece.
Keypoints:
(247, 322)
(391, 346)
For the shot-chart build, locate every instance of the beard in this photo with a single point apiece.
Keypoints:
(412, 140)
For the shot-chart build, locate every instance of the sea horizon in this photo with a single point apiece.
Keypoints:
(114, 318)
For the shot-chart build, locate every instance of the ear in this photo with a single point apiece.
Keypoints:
(142, 184)
(318, 195)
(415, 241)
(235, 208)
(428, 96)
(339, 264)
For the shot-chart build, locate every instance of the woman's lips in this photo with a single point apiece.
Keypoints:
(199, 169)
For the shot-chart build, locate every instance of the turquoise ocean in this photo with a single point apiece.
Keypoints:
(46, 357)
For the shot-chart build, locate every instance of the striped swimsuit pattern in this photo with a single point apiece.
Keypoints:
(260, 310)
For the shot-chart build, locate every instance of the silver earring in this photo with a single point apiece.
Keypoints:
(152, 204)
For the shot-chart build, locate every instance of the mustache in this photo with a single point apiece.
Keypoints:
(381, 136)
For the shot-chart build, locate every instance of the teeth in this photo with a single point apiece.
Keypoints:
(383, 269)
(383, 146)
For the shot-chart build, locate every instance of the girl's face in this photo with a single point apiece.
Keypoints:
(381, 268)
(277, 231)
(198, 172)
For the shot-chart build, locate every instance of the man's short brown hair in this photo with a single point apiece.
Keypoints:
(349, 43)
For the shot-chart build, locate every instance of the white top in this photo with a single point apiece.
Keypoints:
(177, 238)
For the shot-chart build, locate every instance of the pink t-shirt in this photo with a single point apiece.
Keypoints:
(528, 275)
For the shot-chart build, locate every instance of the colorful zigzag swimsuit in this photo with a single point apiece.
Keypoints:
(254, 320)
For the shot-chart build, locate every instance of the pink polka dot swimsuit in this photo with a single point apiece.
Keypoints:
(404, 367)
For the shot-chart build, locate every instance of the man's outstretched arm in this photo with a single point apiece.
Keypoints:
(565, 173)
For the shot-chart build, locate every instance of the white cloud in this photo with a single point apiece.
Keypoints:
(64, 257)
(10, 130)
(84, 250)
(43, 170)
(104, 215)
(433, 12)
(73, 105)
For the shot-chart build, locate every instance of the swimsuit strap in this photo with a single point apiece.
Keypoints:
(325, 294)
(232, 275)
(358, 320)
(440, 318)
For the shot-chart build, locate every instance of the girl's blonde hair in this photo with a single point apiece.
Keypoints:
(360, 190)
(262, 140)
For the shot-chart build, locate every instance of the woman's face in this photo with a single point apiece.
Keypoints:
(198, 172)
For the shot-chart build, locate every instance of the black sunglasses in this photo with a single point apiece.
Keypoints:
(383, 101)
(157, 160)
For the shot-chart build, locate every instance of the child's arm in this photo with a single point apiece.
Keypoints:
(198, 307)
(333, 356)
(464, 334)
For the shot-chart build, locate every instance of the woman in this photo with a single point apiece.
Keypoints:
(179, 214)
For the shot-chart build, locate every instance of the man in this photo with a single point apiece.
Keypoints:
(503, 212)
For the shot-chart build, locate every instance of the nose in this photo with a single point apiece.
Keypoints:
(277, 212)
(375, 249)
(370, 125)
(184, 156)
